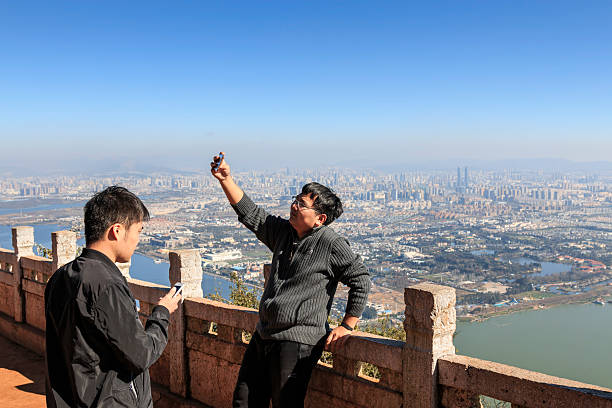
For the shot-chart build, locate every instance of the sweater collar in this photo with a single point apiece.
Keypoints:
(308, 234)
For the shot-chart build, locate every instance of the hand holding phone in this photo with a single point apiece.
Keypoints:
(171, 302)
(218, 161)
(219, 167)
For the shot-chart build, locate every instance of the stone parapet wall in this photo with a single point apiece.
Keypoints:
(522, 388)
(207, 340)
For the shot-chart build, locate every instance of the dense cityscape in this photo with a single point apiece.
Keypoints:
(505, 239)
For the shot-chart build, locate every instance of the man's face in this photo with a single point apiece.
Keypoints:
(303, 217)
(129, 241)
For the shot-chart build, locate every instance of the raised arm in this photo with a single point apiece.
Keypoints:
(265, 226)
(221, 171)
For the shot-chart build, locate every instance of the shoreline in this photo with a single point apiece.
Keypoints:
(542, 304)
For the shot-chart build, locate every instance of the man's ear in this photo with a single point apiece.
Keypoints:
(114, 232)
(322, 218)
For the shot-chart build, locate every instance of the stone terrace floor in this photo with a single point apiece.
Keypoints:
(22, 376)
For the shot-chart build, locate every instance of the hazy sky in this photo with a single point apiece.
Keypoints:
(276, 83)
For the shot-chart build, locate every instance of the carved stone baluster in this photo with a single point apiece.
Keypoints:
(430, 324)
(185, 267)
(23, 241)
(124, 268)
(63, 249)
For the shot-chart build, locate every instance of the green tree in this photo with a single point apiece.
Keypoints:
(43, 251)
(48, 253)
(240, 294)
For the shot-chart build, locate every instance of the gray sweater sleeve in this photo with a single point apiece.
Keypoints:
(350, 270)
(265, 226)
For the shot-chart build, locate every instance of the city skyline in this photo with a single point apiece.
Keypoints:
(95, 86)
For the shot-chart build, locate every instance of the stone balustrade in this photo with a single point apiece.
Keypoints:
(207, 340)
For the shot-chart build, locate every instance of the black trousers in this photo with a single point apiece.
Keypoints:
(275, 370)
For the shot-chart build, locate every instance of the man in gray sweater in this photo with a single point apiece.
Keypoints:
(309, 259)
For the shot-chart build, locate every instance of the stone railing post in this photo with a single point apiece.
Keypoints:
(124, 268)
(63, 248)
(23, 242)
(430, 324)
(185, 267)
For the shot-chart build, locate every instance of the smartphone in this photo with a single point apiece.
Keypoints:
(179, 288)
(221, 156)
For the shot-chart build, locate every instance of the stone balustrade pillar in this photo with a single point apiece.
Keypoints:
(185, 267)
(124, 268)
(430, 324)
(63, 248)
(23, 242)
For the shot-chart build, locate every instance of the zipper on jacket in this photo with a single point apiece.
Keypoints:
(133, 390)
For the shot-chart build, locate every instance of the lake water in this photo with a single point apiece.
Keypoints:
(479, 252)
(548, 268)
(570, 341)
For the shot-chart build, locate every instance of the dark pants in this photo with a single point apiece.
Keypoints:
(276, 370)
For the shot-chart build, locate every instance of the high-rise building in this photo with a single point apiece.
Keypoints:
(465, 178)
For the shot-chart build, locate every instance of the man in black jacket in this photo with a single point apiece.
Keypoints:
(97, 351)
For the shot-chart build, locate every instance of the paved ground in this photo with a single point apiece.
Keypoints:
(22, 376)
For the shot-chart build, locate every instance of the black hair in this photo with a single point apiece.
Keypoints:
(112, 205)
(326, 201)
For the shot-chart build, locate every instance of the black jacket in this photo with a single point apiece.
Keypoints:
(97, 351)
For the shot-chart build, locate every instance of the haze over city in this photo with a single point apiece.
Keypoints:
(90, 86)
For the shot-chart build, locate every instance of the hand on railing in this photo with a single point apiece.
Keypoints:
(337, 338)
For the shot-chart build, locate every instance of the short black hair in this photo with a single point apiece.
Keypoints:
(112, 205)
(326, 201)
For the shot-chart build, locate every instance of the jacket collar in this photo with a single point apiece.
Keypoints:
(99, 256)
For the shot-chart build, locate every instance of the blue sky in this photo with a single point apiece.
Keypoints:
(275, 83)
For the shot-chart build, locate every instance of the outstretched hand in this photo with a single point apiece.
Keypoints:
(219, 167)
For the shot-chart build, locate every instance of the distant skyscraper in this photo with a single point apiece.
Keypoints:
(465, 178)
(458, 177)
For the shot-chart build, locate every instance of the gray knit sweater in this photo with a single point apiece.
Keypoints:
(304, 276)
